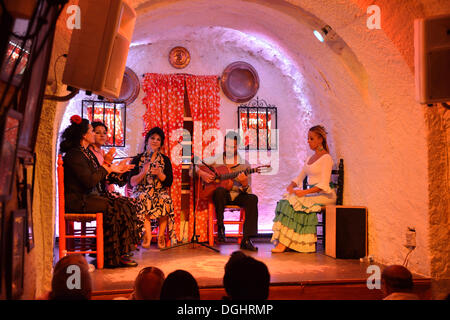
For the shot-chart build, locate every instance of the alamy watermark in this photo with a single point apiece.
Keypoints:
(374, 20)
(74, 280)
(374, 280)
(74, 20)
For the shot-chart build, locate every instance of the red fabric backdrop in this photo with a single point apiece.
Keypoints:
(165, 102)
(204, 100)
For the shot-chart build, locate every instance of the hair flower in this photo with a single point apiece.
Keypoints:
(75, 119)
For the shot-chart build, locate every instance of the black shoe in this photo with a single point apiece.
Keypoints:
(125, 262)
(221, 234)
(247, 244)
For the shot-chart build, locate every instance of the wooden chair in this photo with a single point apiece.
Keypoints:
(338, 181)
(212, 222)
(66, 226)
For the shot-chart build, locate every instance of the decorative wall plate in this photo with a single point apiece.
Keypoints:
(240, 81)
(179, 57)
(130, 87)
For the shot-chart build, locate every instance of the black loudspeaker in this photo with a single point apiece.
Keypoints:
(432, 59)
(346, 232)
(98, 51)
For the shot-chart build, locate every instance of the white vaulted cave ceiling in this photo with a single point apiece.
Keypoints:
(279, 32)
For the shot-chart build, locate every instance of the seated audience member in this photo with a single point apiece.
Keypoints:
(246, 278)
(180, 285)
(397, 284)
(148, 284)
(71, 279)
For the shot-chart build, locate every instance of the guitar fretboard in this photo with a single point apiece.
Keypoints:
(233, 175)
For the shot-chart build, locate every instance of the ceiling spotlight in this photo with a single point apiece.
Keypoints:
(318, 35)
(323, 33)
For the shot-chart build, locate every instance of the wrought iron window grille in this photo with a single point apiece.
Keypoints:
(258, 127)
(112, 114)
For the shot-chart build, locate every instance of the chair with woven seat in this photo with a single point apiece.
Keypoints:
(339, 184)
(66, 226)
(212, 222)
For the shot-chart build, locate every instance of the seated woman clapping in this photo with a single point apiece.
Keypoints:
(295, 216)
(101, 137)
(151, 180)
(84, 192)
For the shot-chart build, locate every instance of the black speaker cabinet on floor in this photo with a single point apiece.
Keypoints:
(346, 232)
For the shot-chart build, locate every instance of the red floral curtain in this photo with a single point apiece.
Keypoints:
(165, 102)
(204, 101)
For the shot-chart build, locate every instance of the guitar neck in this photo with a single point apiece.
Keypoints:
(233, 175)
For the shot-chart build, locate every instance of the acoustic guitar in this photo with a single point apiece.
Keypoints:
(222, 176)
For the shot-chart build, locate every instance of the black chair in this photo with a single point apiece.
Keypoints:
(337, 179)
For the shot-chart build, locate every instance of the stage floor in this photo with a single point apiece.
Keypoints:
(207, 266)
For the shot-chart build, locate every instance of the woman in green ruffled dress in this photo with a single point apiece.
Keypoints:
(296, 214)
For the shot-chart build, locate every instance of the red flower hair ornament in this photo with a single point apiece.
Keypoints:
(76, 119)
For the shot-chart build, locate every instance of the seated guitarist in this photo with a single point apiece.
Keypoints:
(238, 191)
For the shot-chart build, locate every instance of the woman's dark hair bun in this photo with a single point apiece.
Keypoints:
(73, 134)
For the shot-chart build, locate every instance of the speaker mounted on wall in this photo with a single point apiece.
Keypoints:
(432, 59)
(98, 50)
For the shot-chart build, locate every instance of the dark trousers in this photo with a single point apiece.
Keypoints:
(221, 198)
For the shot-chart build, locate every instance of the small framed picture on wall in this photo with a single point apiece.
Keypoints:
(17, 252)
(9, 134)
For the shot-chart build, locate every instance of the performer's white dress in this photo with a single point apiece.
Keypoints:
(295, 217)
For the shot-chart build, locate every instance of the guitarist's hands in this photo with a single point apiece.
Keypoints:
(243, 179)
(206, 176)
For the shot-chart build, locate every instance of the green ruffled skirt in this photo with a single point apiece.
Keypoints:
(295, 229)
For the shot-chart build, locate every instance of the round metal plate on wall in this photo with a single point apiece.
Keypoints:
(239, 81)
(179, 57)
(130, 87)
